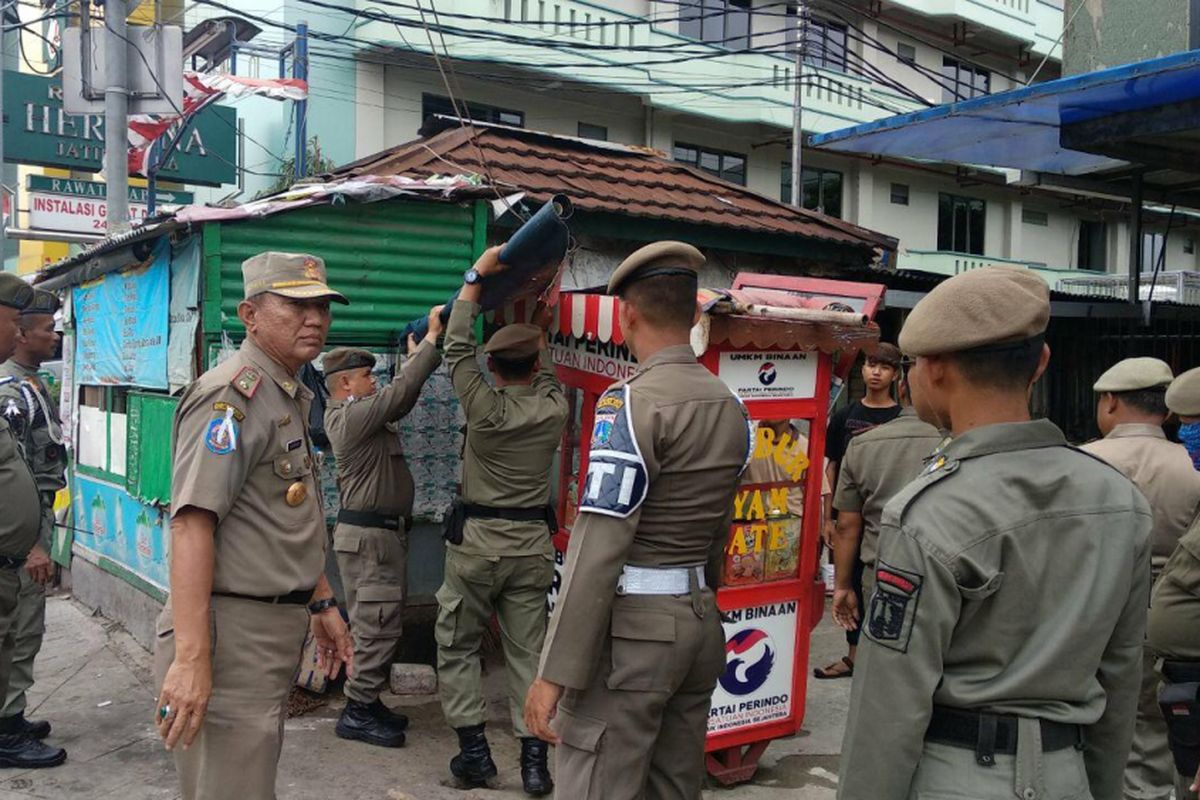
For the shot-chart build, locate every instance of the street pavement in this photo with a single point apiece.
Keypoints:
(94, 683)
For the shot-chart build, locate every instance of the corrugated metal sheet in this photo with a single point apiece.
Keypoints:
(393, 260)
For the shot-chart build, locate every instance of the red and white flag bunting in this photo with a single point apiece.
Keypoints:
(200, 89)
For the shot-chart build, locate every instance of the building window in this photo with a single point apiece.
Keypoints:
(825, 44)
(960, 224)
(1092, 252)
(900, 194)
(906, 53)
(727, 166)
(1153, 245)
(1032, 217)
(590, 131)
(1189, 247)
(723, 22)
(963, 81)
(821, 189)
(432, 104)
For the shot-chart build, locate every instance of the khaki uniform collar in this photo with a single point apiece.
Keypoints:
(1006, 437)
(27, 371)
(908, 411)
(677, 354)
(1128, 430)
(288, 382)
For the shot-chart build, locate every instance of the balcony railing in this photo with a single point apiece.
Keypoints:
(1177, 286)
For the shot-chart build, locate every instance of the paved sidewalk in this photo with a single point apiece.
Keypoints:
(94, 684)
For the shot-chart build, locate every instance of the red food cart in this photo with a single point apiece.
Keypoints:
(773, 340)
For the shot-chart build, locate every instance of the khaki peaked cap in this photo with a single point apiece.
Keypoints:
(1183, 396)
(297, 275)
(1132, 374)
(660, 258)
(340, 359)
(14, 292)
(519, 340)
(986, 306)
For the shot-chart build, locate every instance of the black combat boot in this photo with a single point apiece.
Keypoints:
(35, 729)
(394, 718)
(362, 721)
(18, 749)
(473, 765)
(535, 775)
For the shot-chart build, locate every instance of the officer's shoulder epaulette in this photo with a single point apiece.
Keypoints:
(939, 468)
(246, 381)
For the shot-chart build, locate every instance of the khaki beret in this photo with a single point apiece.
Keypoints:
(1132, 374)
(44, 302)
(14, 292)
(660, 258)
(519, 340)
(1183, 396)
(986, 306)
(296, 275)
(344, 358)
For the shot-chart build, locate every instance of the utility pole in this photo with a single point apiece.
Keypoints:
(300, 70)
(116, 116)
(3, 65)
(798, 104)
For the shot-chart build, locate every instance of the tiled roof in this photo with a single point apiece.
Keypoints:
(602, 177)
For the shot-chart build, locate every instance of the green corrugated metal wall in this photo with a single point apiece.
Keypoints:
(393, 260)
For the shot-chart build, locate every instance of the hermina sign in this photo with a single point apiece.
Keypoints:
(36, 131)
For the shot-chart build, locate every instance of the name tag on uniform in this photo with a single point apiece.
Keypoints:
(294, 444)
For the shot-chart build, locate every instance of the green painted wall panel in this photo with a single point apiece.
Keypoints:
(393, 260)
(148, 446)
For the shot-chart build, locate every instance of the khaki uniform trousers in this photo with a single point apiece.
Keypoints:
(1150, 771)
(638, 730)
(514, 589)
(255, 653)
(951, 772)
(29, 627)
(10, 583)
(374, 566)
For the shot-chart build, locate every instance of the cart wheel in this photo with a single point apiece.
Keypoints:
(735, 765)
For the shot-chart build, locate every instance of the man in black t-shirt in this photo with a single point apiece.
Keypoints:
(879, 372)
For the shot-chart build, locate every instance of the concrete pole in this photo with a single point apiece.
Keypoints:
(116, 117)
(798, 106)
(3, 64)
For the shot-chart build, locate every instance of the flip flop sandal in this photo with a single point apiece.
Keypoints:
(827, 673)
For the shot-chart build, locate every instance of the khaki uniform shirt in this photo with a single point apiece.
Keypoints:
(877, 465)
(1013, 577)
(372, 472)
(1163, 471)
(692, 438)
(1173, 630)
(512, 435)
(265, 545)
(20, 506)
(33, 415)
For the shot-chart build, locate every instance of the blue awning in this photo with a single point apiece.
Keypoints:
(1020, 129)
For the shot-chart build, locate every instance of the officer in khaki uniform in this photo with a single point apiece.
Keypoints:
(1178, 399)
(33, 414)
(1173, 629)
(1130, 412)
(371, 538)
(1004, 636)
(877, 465)
(499, 557)
(636, 645)
(20, 523)
(248, 543)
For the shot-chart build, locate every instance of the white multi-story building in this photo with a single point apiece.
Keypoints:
(711, 82)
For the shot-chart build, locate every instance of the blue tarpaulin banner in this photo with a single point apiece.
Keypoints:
(121, 324)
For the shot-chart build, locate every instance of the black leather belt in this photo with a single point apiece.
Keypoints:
(529, 514)
(369, 519)
(300, 597)
(12, 562)
(1181, 671)
(988, 734)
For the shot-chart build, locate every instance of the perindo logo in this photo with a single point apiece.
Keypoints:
(749, 658)
(767, 374)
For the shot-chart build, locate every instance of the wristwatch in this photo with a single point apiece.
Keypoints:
(472, 277)
(317, 606)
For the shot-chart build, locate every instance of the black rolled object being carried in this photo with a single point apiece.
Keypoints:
(533, 255)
